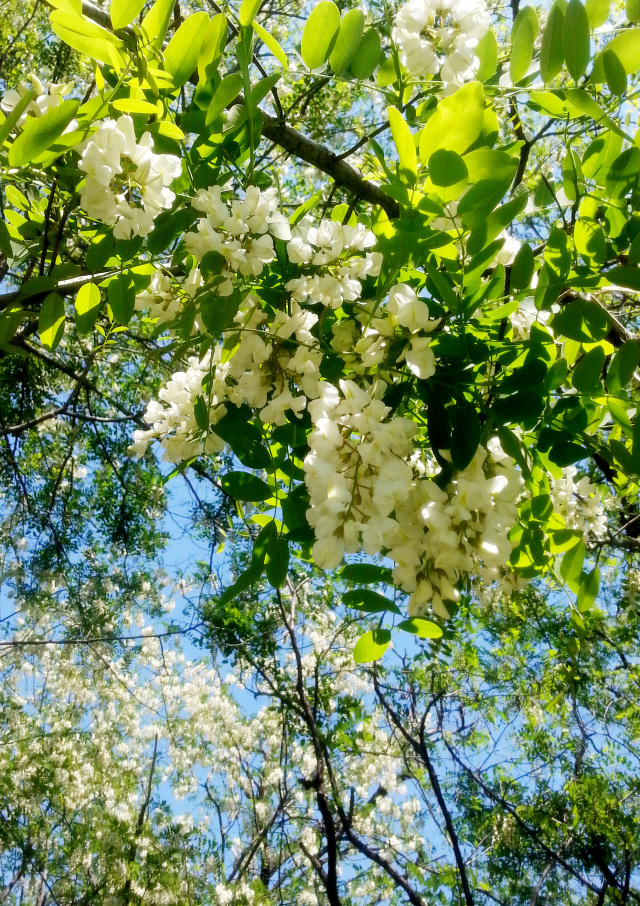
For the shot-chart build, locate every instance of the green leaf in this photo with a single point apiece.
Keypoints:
(576, 39)
(623, 366)
(588, 591)
(227, 91)
(552, 46)
(12, 118)
(582, 320)
(272, 44)
(217, 312)
(347, 42)
(438, 425)
(51, 321)
(486, 230)
(424, 629)
(85, 36)
(123, 12)
(183, 50)
(405, 145)
(367, 573)
(262, 88)
(368, 601)
(245, 486)
(519, 407)
(599, 156)
(371, 646)
(633, 11)
(626, 47)
(446, 168)
(244, 438)
(624, 173)
(367, 56)
(465, 433)
(39, 132)
(87, 306)
(614, 73)
(156, 22)
(457, 122)
(320, 32)
(487, 54)
(121, 294)
(214, 41)
(626, 276)
(201, 412)
(588, 371)
(571, 564)
(248, 11)
(584, 102)
(245, 580)
(522, 268)
(277, 565)
(267, 536)
(523, 38)
(597, 11)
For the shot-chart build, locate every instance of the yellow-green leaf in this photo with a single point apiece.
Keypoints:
(487, 54)
(576, 39)
(588, 591)
(457, 122)
(272, 44)
(87, 306)
(40, 132)
(424, 629)
(521, 49)
(85, 36)
(597, 11)
(404, 143)
(214, 40)
(155, 24)
(51, 321)
(182, 52)
(123, 12)
(552, 46)
(320, 32)
(626, 46)
(248, 11)
(348, 41)
(368, 55)
(228, 89)
(371, 646)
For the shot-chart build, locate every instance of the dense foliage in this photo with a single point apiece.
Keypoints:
(320, 453)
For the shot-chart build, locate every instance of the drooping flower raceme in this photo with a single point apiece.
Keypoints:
(371, 491)
(441, 36)
(241, 231)
(126, 184)
(579, 503)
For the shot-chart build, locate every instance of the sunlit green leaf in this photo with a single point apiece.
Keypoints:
(51, 321)
(320, 32)
(371, 646)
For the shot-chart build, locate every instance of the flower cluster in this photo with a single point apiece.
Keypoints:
(370, 490)
(441, 36)
(46, 98)
(164, 297)
(579, 504)
(263, 365)
(241, 231)
(336, 256)
(126, 184)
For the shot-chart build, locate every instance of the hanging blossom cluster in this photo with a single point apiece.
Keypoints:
(241, 231)
(336, 259)
(370, 488)
(441, 36)
(126, 184)
(274, 367)
(579, 503)
(372, 491)
(165, 296)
